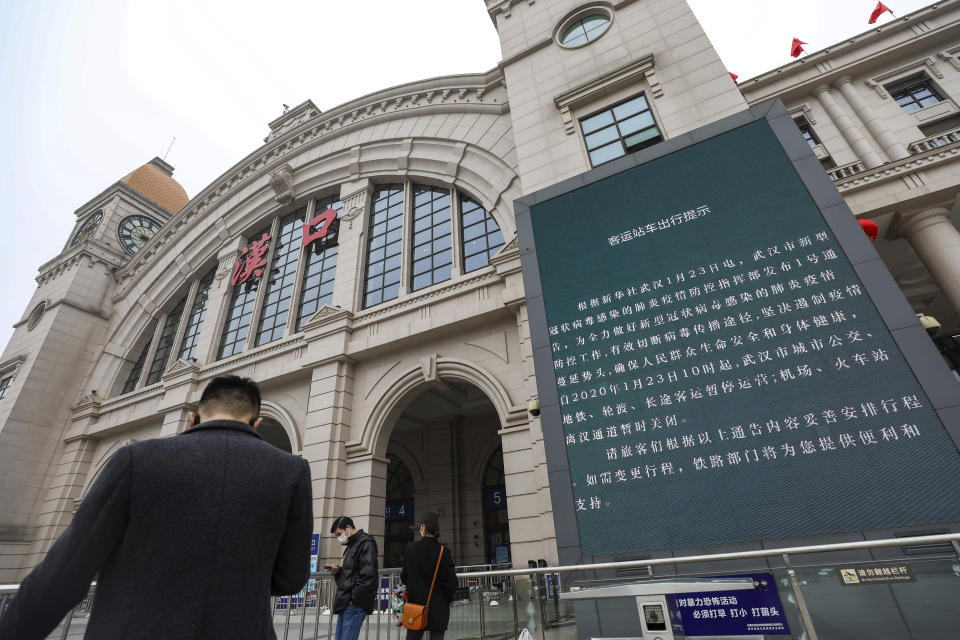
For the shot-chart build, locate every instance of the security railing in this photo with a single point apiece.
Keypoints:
(496, 603)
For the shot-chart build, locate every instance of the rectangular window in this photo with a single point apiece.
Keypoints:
(237, 324)
(198, 311)
(807, 131)
(385, 246)
(619, 130)
(165, 343)
(283, 276)
(134, 376)
(914, 93)
(481, 235)
(4, 385)
(432, 250)
(321, 265)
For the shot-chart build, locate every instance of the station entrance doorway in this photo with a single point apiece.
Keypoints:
(445, 456)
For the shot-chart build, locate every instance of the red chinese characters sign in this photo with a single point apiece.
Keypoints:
(250, 262)
(318, 227)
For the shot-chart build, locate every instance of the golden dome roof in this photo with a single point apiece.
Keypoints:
(154, 181)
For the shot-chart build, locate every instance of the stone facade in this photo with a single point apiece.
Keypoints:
(440, 377)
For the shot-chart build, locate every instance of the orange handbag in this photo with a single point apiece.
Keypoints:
(415, 615)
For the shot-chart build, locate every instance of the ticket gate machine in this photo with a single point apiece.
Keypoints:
(651, 597)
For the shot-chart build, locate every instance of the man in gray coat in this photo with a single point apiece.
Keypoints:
(188, 536)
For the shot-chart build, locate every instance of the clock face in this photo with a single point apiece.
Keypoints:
(134, 232)
(88, 227)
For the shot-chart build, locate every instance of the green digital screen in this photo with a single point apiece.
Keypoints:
(723, 375)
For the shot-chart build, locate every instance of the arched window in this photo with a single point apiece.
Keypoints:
(384, 246)
(432, 248)
(321, 266)
(436, 215)
(240, 311)
(168, 334)
(481, 235)
(133, 377)
(198, 311)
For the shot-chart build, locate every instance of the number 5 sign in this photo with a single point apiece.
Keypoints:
(495, 498)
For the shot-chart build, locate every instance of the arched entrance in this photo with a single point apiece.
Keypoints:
(274, 433)
(450, 432)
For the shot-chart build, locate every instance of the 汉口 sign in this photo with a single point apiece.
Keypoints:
(712, 363)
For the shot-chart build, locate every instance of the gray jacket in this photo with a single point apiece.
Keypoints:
(190, 535)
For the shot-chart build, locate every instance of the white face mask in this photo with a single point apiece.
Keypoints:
(343, 539)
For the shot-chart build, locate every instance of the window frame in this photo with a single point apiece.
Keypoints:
(616, 122)
(907, 84)
(458, 265)
(328, 202)
(577, 16)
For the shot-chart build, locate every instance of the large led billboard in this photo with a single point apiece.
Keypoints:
(711, 359)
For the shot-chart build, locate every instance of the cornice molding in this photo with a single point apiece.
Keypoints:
(590, 90)
(824, 59)
(463, 93)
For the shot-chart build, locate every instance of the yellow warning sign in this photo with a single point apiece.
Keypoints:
(849, 576)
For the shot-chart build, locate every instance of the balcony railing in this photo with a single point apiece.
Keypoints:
(499, 603)
(950, 136)
(846, 170)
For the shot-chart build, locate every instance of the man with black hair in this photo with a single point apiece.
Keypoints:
(188, 536)
(357, 580)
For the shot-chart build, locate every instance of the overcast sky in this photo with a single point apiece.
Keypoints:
(91, 90)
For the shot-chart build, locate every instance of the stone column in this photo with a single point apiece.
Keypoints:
(850, 131)
(327, 429)
(877, 127)
(937, 242)
(352, 253)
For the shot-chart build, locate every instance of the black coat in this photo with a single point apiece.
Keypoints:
(190, 535)
(419, 562)
(357, 580)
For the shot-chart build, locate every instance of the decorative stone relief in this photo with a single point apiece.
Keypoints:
(428, 366)
(591, 90)
(281, 181)
(353, 206)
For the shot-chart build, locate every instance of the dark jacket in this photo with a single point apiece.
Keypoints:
(357, 580)
(190, 536)
(419, 562)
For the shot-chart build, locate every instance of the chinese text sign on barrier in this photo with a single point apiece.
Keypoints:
(722, 373)
(732, 613)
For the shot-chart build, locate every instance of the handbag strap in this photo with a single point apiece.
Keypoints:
(432, 582)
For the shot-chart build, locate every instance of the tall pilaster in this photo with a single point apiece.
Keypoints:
(937, 242)
(356, 198)
(877, 127)
(850, 131)
(326, 432)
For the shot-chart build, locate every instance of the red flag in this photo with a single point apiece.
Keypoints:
(734, 76)
(795, 48)
(879, 11)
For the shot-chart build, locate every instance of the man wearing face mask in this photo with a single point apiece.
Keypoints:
(357, 582)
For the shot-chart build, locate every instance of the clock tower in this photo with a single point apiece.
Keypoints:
(59, 335)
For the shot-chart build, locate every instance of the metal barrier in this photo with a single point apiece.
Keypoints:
(499, 603)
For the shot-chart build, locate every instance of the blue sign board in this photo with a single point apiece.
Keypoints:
(315, 545)
(732, 613)
(495, 498)
(400, 510)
